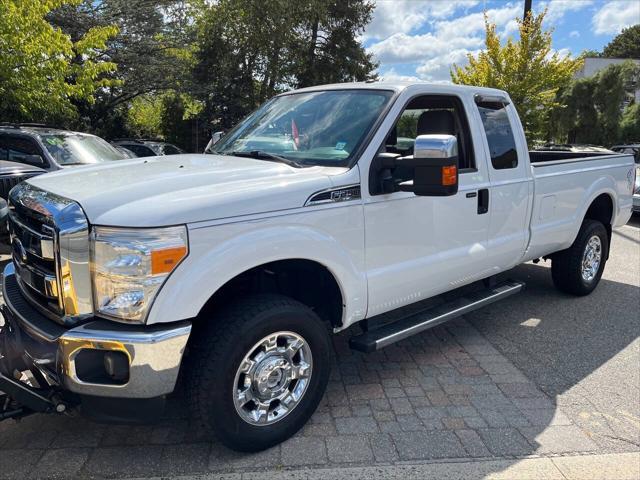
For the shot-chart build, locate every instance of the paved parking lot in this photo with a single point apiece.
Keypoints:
(541, 374)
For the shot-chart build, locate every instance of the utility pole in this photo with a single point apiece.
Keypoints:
(527, 9)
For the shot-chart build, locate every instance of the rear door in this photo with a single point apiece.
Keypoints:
(511, 181)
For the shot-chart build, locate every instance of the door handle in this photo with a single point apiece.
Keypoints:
(483, 201)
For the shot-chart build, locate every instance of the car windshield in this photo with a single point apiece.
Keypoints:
(315, 128)
(79, 149)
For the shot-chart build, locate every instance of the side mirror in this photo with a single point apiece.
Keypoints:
(215, 137)
(434, 164)
(4, 210)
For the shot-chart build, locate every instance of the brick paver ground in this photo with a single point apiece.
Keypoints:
(446, 394)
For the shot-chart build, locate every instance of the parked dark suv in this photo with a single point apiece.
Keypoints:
(148, 148)
(52, 148)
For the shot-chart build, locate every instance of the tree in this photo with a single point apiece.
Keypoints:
(38, 78)
(630, 124)
(592, 110)
(625, 45)
(328, 50)
(152, 50)
(249, 50)
(527, 68)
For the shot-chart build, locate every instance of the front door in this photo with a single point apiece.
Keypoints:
(418, 247)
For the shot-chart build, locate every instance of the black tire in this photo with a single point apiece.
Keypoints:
(566, 266)
(216, 356)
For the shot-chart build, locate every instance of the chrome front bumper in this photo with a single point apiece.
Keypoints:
(153, 353)
(636, 202)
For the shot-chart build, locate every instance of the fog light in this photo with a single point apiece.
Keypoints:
(116, 364)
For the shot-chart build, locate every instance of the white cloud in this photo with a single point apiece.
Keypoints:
(616, 15)
(418, 34)
(392, 76)
(403, 48)
(447, 42)
(474, 23)
(556, 9)
(574, 34)
(404, 16)
(562, 53)
(437, 69)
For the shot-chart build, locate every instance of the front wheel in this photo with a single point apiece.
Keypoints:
(578, 269)
(260, 372)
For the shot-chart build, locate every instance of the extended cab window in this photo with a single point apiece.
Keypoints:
(432, 114)
(497, 128)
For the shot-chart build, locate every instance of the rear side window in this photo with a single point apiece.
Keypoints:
(171, 150)
(497, 128)
(140, 150)
(17, 149)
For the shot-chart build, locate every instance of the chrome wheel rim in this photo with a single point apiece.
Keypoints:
(272, 378)
(591, 259)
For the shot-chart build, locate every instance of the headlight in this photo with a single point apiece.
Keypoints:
(636, 188)
(130, 265)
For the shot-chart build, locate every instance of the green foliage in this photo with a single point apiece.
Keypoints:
(248, 50)
(181, 64)
(407, 125)
(526, 68)
(630, 124)
(145, 116)
(38, 76)
(590, 110)
(153, 50)
(168, 116)
(624, 45)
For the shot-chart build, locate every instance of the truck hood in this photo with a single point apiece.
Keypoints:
(177, 189)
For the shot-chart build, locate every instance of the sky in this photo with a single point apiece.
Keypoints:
(421, 39)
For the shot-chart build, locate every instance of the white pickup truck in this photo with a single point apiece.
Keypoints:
(325, 208)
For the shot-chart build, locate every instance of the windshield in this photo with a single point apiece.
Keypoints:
(77, 149)
(315, 128)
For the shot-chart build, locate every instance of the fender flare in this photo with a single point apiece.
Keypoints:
(604, 186)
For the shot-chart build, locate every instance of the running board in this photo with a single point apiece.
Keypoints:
(394, 332)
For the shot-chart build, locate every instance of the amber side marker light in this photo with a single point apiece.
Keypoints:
(165, 260)
(449, 175)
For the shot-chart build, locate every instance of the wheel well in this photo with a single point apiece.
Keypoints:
(601, 209)
(306, 281)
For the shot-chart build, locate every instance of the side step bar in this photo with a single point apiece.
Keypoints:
(394, 332)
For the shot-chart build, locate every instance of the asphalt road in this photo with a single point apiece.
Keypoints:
(541, 375)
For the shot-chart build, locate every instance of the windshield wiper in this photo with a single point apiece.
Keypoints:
(260, 155)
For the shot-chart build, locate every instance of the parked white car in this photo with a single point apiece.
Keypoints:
(229, 268)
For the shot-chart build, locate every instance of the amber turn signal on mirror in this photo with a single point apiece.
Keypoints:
(449, 175)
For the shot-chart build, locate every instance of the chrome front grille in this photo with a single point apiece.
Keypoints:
(32, 249)
(50, 250)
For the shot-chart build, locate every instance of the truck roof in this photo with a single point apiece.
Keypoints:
(398, 86)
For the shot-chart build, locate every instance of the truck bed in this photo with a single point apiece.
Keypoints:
(565, 184)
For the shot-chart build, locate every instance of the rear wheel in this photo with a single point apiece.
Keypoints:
(259, 373)
(578, 269)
